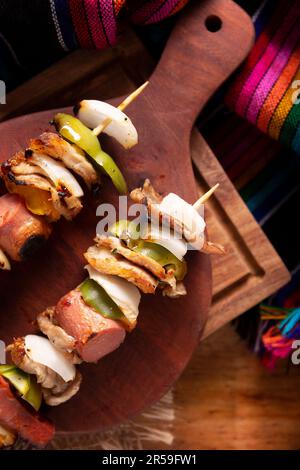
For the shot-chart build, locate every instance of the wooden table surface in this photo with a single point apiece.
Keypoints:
(222, 398)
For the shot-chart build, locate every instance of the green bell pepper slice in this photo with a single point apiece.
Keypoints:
(126, 229)
(96, 297)
(34, 394)
(76, 132)
(6, 368)
(19, 379)
(162, 256)
(24, 383)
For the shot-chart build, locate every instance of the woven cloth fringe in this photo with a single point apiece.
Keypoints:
(152, 428)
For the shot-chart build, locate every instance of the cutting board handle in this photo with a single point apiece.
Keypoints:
(209, 41)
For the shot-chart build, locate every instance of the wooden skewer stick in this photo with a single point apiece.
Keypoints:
(205, 196)
(121, 107)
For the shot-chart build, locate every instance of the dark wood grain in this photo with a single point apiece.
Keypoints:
(194, 64)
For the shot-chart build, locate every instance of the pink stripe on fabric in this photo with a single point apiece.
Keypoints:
(264, 63)
(95, 24)
(109, 20)
(145, 11)
(273, 74)
(163, 12)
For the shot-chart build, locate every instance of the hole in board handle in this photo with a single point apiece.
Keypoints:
(213, 23)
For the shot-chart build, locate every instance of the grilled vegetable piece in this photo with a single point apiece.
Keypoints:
(180, 215)
(25, 385)
(93, 113)
(76, 132)
(96, 297)
(123, 293)
(21, 232)
(51, 382)
(20, 420)
(96, 336)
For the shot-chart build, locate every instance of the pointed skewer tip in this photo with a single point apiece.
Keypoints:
(205, 196)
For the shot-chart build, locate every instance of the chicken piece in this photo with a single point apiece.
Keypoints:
(109, 263)
(148, 196)
(4, 261)
(7, 438)
(55, 396)
(116, 246)
(72, 156)
(21, 232)
(59, 338)
(96, 336)
(174, 291)
(45, 376)
(19, 419)
(211, 248)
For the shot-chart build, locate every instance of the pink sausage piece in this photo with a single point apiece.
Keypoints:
(96, 336)
(21, 232)
(19, 418)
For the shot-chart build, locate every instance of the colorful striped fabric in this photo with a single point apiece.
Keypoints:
(94, 23)
(267, 90)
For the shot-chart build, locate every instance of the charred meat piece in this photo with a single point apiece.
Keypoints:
(146, 195)
(21, 232)
(72, 156)
(17, 418)
(96, 336)
(109, 263)
(116, 246)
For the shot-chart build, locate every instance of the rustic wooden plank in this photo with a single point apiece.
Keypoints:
(251, 270)
(226, 399)
(82, 73)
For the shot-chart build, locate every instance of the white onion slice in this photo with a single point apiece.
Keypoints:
(192, 223)
(42, 351)
(169, 240)
(123, 293)
(93, 112)
(57, 173)
(4, 261)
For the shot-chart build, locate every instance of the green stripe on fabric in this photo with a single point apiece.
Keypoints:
(290, 125)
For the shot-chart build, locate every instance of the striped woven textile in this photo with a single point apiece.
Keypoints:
(267, 90)
(95, 23)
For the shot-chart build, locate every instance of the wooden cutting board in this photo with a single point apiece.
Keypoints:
(195, 62)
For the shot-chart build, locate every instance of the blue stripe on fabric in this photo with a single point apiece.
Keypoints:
(286, 173)
(66, 24)
(264, 16)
